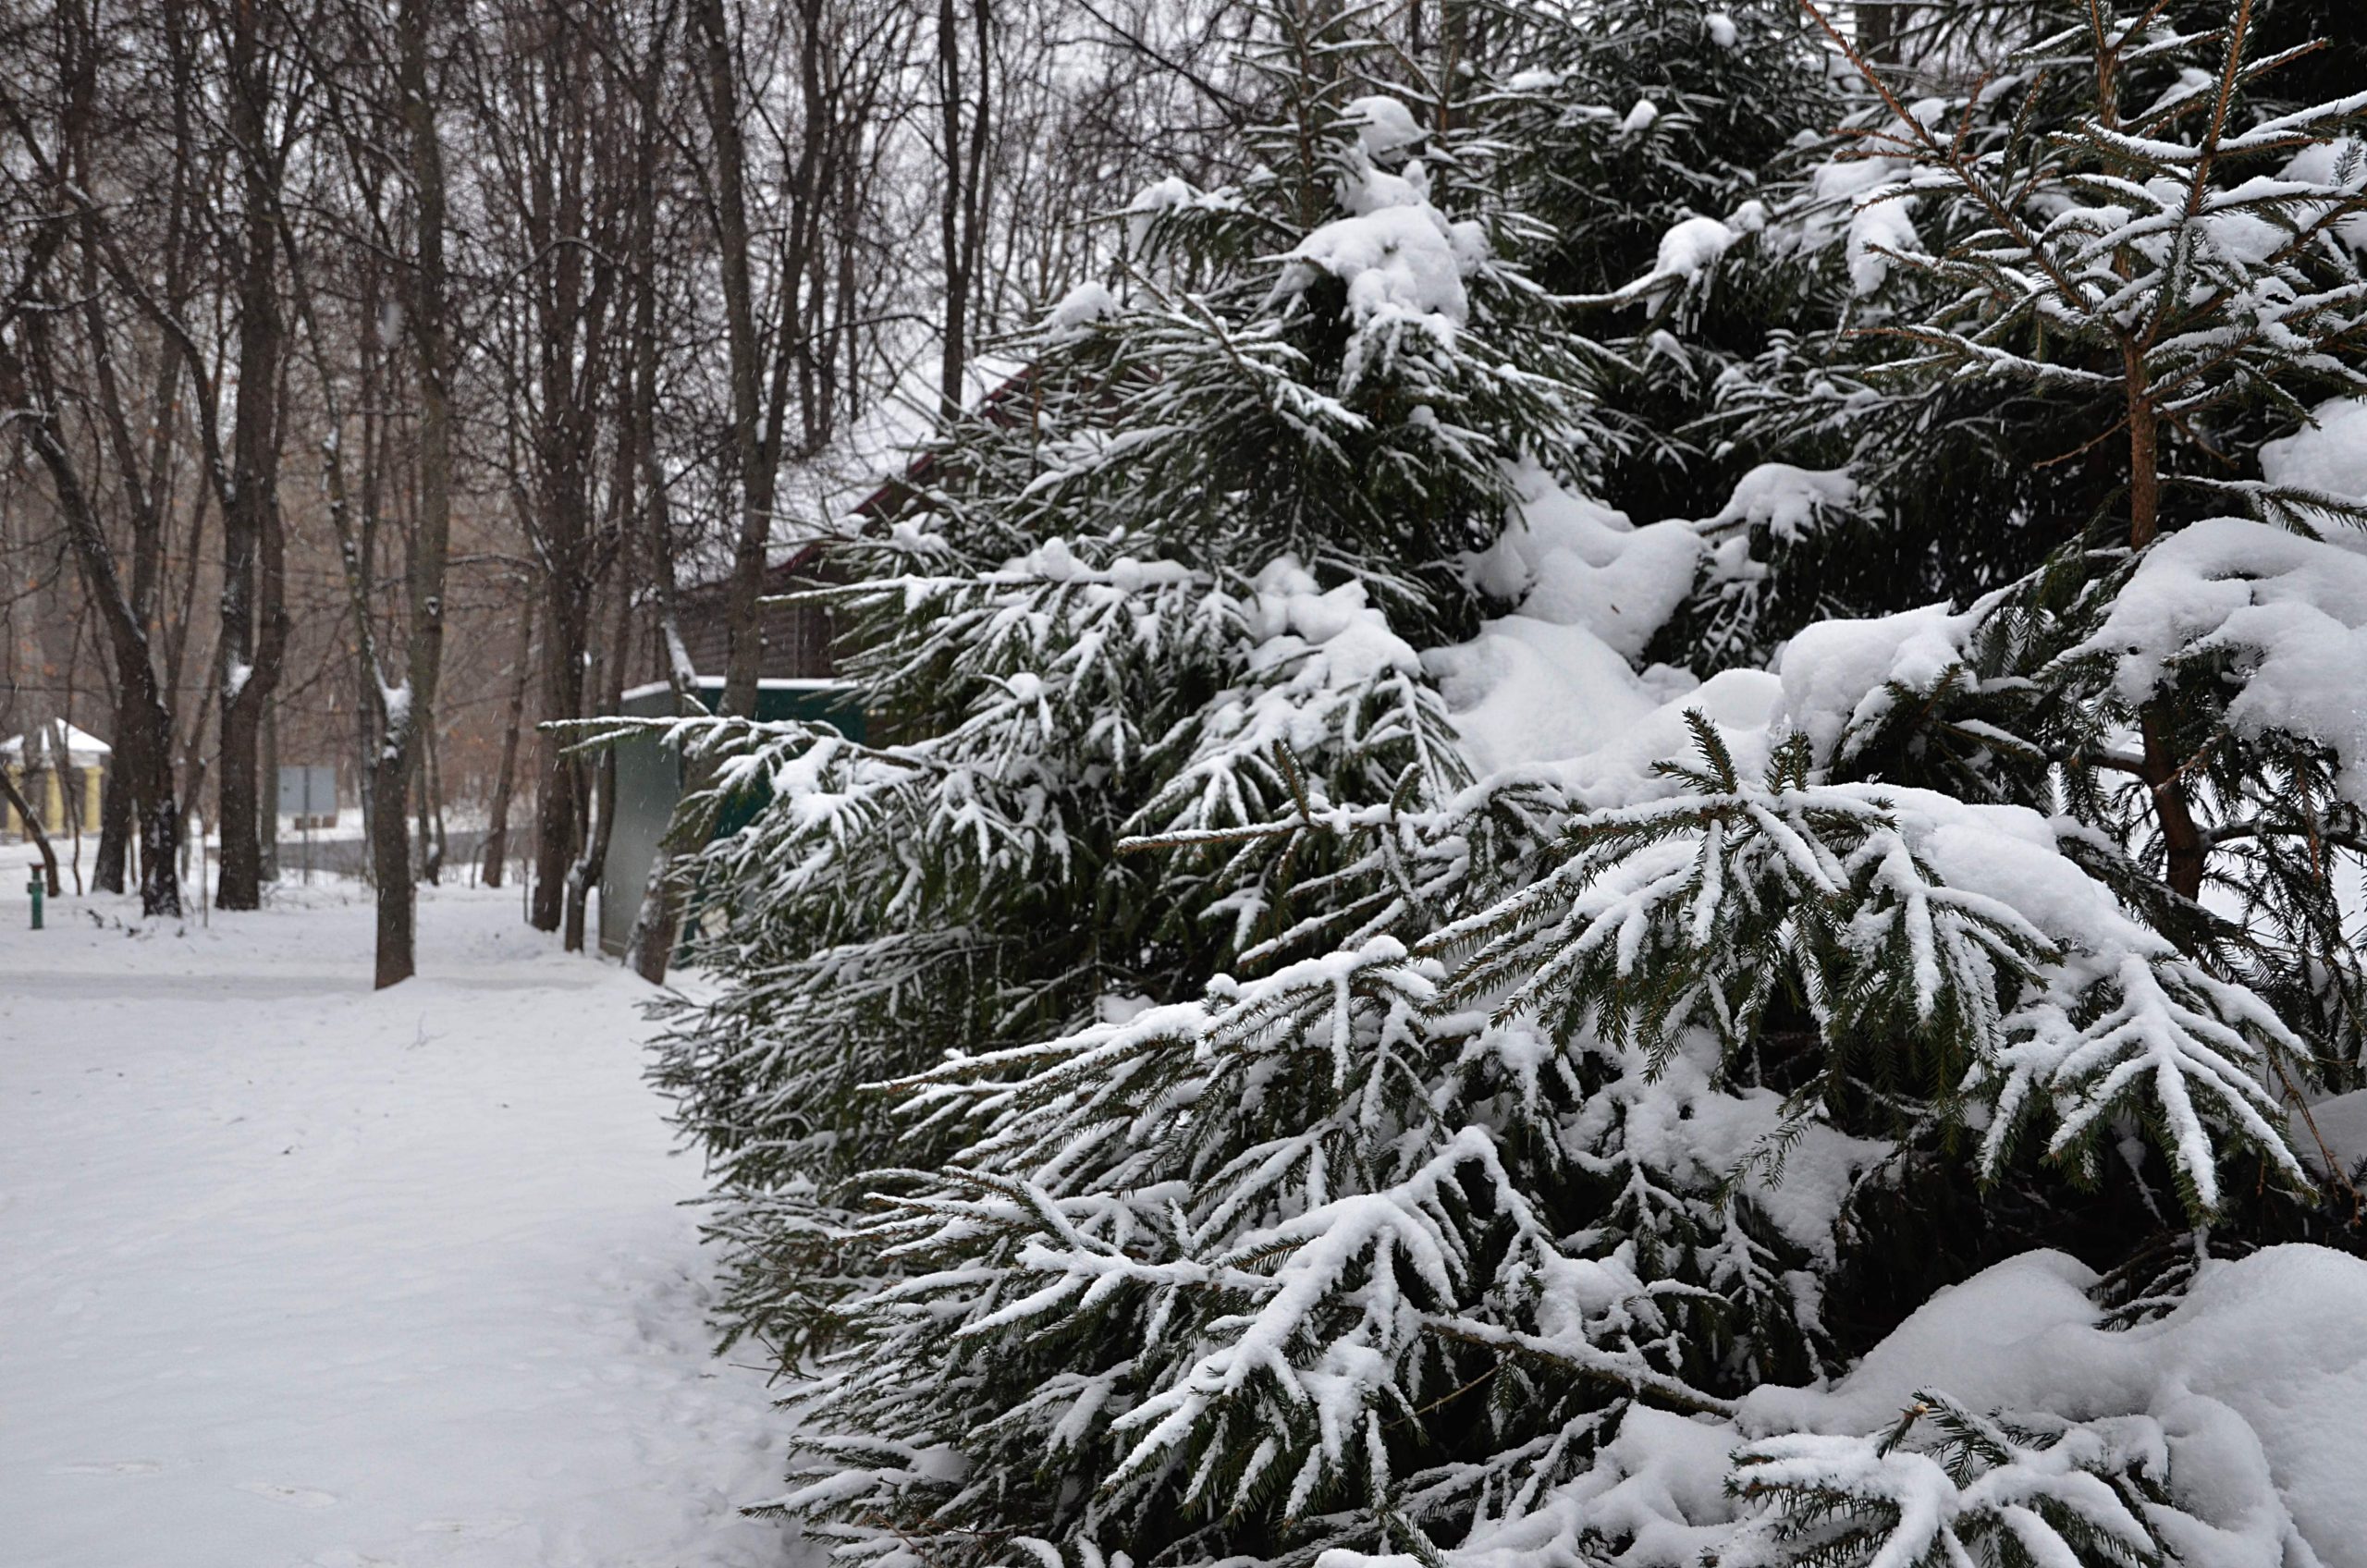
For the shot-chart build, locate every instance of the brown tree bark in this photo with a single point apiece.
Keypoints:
(430, 859)
(254, 614)
(649, 945)
(593, 863)
(267, 792)
(559, 793)
(2186, 852)
(961, 211)
(410, 708)
(31, 819)
(496, 837)
(149, 753)
(751, 464)
(112, 862)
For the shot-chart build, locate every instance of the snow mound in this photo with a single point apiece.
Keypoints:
(1574, 562)
(1690, 246)
(2340, 162)
(2328, 455)
(1290, 614)
(1622, 771)
(2291, 611)
(1555, 679)
(2247, 1405)
(2266, 1360)
(1789, 502)
(1399, 264)
(1527, 691)
(1079, 309)
(1383, 124)
(1687, 250)
(1679, 1119)
(1880, 229)
(1837, 674)
(1859, 204)
(1172, 194)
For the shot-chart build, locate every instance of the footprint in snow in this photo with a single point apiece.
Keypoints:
(479, 1528)
(294, 1497)
(109, 1467)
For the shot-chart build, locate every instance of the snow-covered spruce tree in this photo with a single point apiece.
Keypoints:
(2182, 276)
(1950, 486)
(1625, 1095)
(2149, 295)
(1161, 586)
(1650, 139)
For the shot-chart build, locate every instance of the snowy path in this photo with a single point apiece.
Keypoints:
(292, 1274)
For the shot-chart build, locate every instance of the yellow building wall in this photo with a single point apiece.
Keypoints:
(47, 796)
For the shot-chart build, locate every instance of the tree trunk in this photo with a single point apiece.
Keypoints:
(567, 343)
(195, 768)
(558, 798)
(152, 721)
(2182, 840)
(144, 749)
(255, 615)
(588, 868)
(115, 808)
(16, 797)
(2145, 477)
(2186, 852)
(430, 813)
(413, 709)
(71, 793)
(496, 837)
(960, 226)
(1881, 25)
(593, 862)
(267, 792)
(744, 621)
(650, 944)
(390, 869)
(419, 869)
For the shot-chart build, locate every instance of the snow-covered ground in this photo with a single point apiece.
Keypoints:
(295, 1274)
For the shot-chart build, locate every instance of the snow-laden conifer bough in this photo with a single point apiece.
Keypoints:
(1361, 1007)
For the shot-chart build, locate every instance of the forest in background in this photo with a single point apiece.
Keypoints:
(377, 375)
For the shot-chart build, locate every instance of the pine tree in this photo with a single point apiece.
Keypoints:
(1652, 140)
(1158, 592)
(1944, 233)
(1289, 1142)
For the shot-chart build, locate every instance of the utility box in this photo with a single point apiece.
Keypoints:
(649, 783)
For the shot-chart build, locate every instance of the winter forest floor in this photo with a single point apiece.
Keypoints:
(295, 1274)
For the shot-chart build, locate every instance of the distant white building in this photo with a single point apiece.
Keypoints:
(49, 787)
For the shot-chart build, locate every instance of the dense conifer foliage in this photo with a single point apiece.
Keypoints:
(1616, 821)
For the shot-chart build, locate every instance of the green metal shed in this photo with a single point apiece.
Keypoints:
(649, 783)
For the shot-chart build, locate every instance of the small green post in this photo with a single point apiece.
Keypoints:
(33, 886)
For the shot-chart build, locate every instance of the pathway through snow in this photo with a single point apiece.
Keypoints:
(294, 1274)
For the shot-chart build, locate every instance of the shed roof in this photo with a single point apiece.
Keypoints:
(82, 748)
